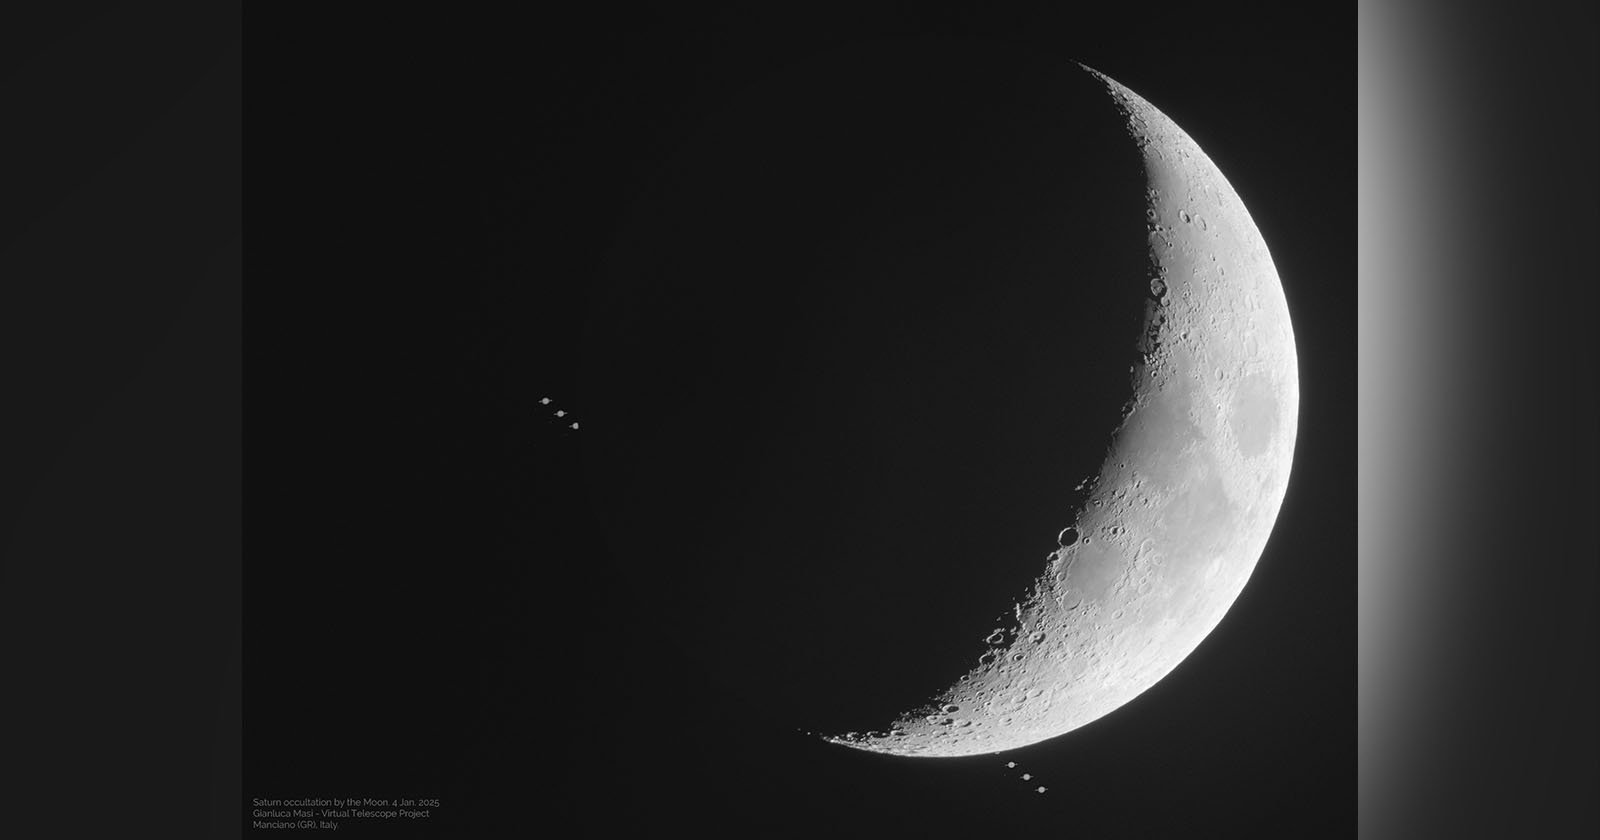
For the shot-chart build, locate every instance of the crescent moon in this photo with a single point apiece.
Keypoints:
(1175, 522)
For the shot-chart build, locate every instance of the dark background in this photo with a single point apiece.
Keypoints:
(432, 598)
(452, 593)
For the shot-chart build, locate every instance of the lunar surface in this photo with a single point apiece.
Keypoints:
(1171, 528)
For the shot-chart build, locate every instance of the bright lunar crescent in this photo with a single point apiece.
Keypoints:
(1171, 528)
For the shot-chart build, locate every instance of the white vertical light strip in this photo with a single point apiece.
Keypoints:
(1476, 419)
(1392, 184)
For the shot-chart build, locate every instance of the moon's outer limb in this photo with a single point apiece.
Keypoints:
(1186, 498)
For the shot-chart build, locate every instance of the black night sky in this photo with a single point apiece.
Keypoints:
(552, 413)
(450, 592)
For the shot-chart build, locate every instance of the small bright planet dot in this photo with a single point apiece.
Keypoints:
(1042, 789)
(544, 401)
(560, 413)
(1011, 764)
(1026, 776)
(574, 425)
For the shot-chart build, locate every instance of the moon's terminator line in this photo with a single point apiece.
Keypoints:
(1185, 500)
